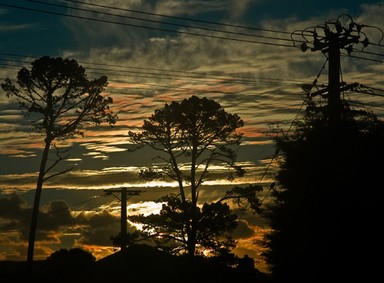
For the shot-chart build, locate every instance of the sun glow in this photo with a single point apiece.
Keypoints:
(145, 208)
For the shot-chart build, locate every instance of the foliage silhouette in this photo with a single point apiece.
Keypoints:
(144, 263)
(138, 263)
(327, 199)
(191, 136)
(214, 222)
(67, 264)
(131, 238)
(59, 100)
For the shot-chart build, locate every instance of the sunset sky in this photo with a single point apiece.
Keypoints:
(243, 54)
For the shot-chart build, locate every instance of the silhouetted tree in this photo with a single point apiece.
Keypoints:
(214, 222)
(143, 263)
(191, 137)
(67, 264)
(57, 97)
(325, 215)
(131, 238)
(77, 258)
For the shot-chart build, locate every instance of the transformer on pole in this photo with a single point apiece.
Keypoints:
(330, 38)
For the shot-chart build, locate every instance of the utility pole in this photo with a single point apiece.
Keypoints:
(334, 101)
(329, 39)
(125, 194)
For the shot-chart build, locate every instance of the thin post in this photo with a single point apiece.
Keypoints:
(123, 225)
(123, 211)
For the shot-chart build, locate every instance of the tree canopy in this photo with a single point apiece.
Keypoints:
(197, 130)
(326, 207)
(57, 97)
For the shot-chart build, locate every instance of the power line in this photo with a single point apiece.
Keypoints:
(196, 75)
(276, 153)
(367, 52)
(164, 73)
(263, 81)
(177, 18)
(148, 27)
(156, 21)
(175, 31)
(272, 185)
(159, 86)
(302, 33)
(362, 58)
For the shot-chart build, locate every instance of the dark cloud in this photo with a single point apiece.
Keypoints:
(55, 215)
(13, 207)
(98, 228)
(55, 219)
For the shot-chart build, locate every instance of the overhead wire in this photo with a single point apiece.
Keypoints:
(272, 185)
(178, 18)
(163, 73)
(155, 21)
(146, 27)
(362, 58)
(176, 24)
(367, 52)
(176, 31)
(268, 167)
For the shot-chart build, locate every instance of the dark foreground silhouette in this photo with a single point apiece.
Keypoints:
(139, 263)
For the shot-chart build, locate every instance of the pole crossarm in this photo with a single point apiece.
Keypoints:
(129, 192)
(343, 87)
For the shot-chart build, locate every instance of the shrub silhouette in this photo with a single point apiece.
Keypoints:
(69, 263)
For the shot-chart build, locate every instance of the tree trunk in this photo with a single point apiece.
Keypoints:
(193, 230)
(36, 204)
